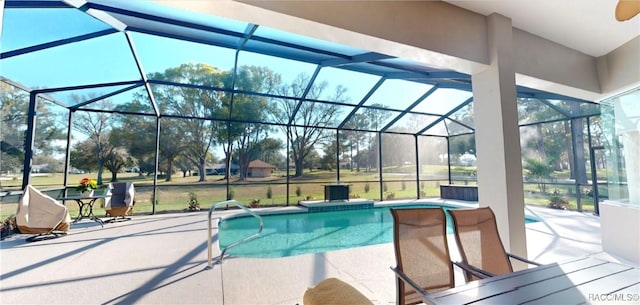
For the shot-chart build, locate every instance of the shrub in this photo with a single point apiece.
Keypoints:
(539, 170)
(255, 203)
(390, 195)
(193, 204)
(269, 193)
(8, 227)
(588, 192)
(557, 202)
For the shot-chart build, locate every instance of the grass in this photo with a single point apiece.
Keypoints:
(543, 200)
(173, 196)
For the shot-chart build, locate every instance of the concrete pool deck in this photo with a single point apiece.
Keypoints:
(162, 259)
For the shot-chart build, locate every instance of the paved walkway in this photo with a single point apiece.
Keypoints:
(161, 259)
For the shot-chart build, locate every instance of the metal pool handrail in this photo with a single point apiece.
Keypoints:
(239, 205)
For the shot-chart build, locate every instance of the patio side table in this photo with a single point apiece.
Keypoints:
(85, 204)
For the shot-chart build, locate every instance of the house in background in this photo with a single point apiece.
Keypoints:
(260, 169)
(220, 168)
(40, 168)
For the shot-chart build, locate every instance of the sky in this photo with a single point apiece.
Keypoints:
(109, 58)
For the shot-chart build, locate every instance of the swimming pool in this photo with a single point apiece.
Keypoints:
(299, 233)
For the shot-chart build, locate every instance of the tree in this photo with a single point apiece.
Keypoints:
(251, 110)
(117, 159)
(397, 149)
(184, 165)
(312, 160)
(82, 156)
(14, 105)
(269, 151)
(579, 167)
(464, 115)
(208, 105)
(461, 145)
(96, 126)
(198, 134)
(369, 155)
(329, 161)
(12, 131)
(137, 134)
(247, 146)
(111, 156)
(374, 120)
(540, 171)
(599, 139)
(533, 110)
(355, 139)
(554, 141)
(309, 118)
(169, 148)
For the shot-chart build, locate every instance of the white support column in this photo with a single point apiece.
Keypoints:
(498, 136)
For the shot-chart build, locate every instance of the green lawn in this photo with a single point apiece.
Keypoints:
(174, 195)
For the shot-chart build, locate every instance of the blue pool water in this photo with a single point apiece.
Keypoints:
(300, 233)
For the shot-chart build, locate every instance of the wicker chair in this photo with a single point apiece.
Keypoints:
(120, 201)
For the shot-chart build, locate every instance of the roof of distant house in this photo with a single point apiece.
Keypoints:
(260, 164)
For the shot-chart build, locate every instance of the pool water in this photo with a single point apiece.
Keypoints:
(299, 233)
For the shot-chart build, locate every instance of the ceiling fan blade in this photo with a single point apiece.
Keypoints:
(627, 9)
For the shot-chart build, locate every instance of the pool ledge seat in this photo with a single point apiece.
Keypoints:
(334, 291)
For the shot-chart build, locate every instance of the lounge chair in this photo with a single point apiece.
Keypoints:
(335, 292)
(40, 214)
(479, 242)
(119, 201)
(422, 253)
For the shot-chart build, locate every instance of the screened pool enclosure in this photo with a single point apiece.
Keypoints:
(189, 106)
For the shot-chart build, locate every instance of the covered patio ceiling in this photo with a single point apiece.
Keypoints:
(78, 54)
